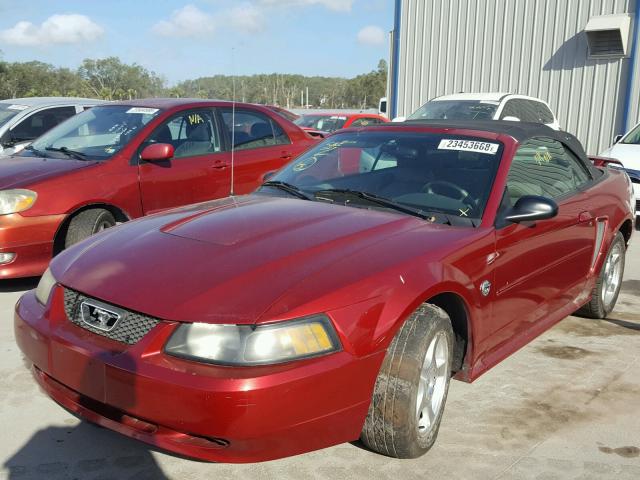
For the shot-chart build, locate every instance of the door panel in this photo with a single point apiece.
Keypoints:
(260, 146)
(199, 170)
(542, 267)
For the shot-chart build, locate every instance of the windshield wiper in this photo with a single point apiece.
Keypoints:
(33, 149)
(287, 187)
(67, 152)
(382, 201)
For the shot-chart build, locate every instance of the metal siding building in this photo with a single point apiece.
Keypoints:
(530, 47)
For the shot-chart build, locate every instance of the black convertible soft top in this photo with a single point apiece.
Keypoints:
(519, 130)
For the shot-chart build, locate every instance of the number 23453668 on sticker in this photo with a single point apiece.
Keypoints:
(468, 146)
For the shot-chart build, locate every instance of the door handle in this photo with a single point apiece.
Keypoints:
(219, 165)
(286, 156)
(585, 217)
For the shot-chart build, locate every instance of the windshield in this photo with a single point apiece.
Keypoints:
(326, 123)
(455, 110)
(97, 133)
(8, 111)
(429, 173)
(633, 137)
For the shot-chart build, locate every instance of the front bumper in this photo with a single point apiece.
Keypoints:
(31, 240)
(208, 412)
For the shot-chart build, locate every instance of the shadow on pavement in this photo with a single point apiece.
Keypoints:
(79, 452)
(18, 285)
(623, 323)
(84, 450)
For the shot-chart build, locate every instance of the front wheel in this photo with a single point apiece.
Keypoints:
(411, 388)
(87, 223)
(605, 294)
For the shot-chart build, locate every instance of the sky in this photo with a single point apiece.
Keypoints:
(188, 39)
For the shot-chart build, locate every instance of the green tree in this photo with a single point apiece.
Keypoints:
(110, 79)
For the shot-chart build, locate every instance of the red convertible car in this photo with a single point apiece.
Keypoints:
(124, 160)
(337, 301)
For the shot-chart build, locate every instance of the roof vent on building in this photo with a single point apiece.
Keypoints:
(608, 35)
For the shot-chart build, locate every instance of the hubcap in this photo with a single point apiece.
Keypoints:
(103, 226)
(433, 383)
(612, 275)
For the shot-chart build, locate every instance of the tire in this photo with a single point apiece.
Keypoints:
(86, 223)
(607, 288)
(394, 426)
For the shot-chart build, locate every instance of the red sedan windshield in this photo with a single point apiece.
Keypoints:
(97, 133)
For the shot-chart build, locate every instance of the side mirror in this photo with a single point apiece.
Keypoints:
(531, 208)
(7, 139)
(617, 138)
(269, 175)
(511, 118)
(157, 152)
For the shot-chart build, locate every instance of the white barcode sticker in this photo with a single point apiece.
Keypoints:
(142, 110)
(468, 146)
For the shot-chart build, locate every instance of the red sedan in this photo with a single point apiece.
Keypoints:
(337, 301)
(124, 160)
(330, 122)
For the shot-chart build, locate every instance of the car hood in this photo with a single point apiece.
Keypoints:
(228, 261)
(22, 171)
(627, 153)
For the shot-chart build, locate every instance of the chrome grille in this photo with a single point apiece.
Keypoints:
(129, 329)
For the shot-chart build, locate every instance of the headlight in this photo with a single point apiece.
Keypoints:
(251, 345)
(14, 201)
(47, 282)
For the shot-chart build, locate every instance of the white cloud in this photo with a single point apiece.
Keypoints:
(337, 5)
(249, 17)
(372, 36)
(57, 29)
(188, 21)
(246, 18)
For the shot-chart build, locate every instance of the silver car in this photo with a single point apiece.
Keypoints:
(24, 119)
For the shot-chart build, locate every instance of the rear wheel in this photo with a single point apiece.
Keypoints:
(86, 223)
(411, 388)
(605, 293)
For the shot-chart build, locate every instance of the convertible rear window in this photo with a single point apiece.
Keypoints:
(426, 172)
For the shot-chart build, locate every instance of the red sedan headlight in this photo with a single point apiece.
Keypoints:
(14, 201)
(254, 345)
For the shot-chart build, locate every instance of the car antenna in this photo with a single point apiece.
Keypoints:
(233, 117)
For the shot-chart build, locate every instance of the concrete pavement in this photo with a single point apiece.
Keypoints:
(567, 406)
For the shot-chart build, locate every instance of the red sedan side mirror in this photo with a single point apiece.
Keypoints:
(157, 152)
